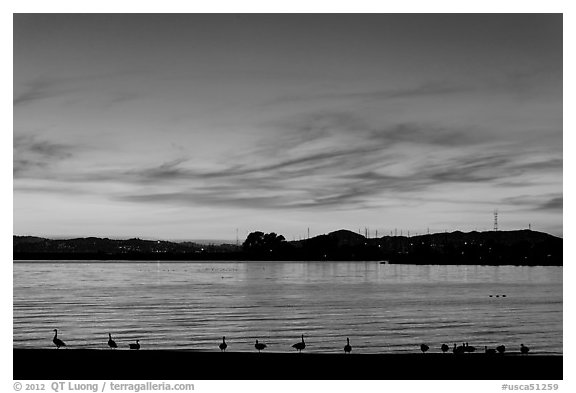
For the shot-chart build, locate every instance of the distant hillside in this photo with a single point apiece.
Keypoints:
(523, 247)
(30, 247)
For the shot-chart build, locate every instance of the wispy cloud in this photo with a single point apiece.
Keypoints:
(32, 152)
(422, 90)
(44, 88)
(556, 203)
(39, 89)
(520, 83)
(330, 160)
(544, 202)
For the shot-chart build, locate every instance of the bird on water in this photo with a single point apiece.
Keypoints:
(347, 347)
(524, 349)
(59, 343)
(444, 348)
(300, 346)
(259, 346)
(111, 343)
(424, 348)
(223, 344)
(501, 348)
(135, 346)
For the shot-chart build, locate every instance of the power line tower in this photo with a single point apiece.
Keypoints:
(495, 219)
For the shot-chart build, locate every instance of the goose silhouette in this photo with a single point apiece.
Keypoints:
(501, 348)
(59, 343)
(111, 343)
(444, 348)
(469, 348)
(135, 346)
(347, 347)
(489, 351)
(259, 346)
(223, 344)
(524, 349)
(424, 348)
(300, 346)
(458, 349)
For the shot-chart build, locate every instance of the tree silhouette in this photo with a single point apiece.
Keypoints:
(261, 243)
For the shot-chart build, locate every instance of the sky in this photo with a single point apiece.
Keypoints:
(194, 126)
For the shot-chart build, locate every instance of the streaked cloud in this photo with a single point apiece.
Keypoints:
(32, 152)
(286, 118)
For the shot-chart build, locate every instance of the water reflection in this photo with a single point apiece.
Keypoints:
(382, 308)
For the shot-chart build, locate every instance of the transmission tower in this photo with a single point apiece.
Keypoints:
(495, 220)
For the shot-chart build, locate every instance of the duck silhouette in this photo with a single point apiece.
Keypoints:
(259, 346)
(424, 348)
(524, 349)
(135, 346)
(444, 348)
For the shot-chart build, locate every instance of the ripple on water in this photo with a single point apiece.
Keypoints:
(382, 308)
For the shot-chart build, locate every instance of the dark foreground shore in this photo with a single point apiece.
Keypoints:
(191, 365)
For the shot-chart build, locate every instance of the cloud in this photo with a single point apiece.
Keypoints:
(422, 90)
(520, 83)
(39, 89)
(547, 202)
(330, 160)
(348, 179)
(556, 203)
(32, 153)
(43, 87)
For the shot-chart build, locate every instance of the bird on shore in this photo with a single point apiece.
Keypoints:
(458, 349)
(135, 346)
(300, 346)
(111, 343)
(223, 344)
(59, 343)
(469, 348)
(489, 351)
(444, 348)
(501, 348)
(347, 347)
(424, 348)
(524, 349)
(259, 346)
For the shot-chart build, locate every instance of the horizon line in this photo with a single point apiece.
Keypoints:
(232, 241)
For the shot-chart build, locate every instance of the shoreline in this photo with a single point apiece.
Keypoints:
(97, 364)
(127, 261)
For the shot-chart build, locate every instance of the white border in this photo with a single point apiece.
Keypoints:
(296, 6)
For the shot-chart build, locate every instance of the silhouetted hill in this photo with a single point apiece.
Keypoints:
(523, 247)
(347, 238)
(29, 247)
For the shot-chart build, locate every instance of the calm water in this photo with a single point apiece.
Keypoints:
(382, 308)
